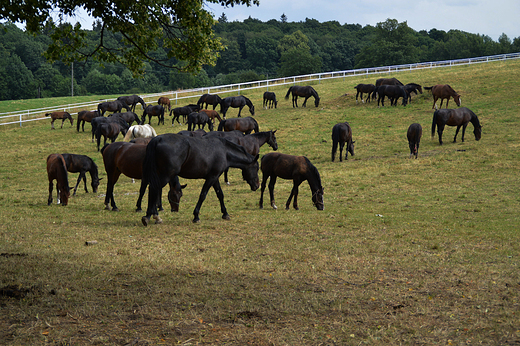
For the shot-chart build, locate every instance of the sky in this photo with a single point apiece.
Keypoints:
(485, 17)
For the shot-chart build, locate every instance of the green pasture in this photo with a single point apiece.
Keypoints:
(406, 251)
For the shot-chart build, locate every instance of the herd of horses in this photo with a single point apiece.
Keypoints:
(158, 160)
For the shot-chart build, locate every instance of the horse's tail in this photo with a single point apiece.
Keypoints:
(149, 164)
(434, 122)
(335, 140)
(288, 93)
(428, 88)
(77, 123)
(221, 125)
(129, 134)
(47, 114)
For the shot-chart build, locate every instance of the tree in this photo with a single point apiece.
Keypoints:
(185, 28)
(283, 18)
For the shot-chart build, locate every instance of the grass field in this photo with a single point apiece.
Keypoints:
(406, 251)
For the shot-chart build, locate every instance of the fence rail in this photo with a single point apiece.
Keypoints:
(21, 117)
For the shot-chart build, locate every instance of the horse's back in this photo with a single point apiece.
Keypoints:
(284, 166)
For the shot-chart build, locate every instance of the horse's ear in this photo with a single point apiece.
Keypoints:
(257, 157)
(183, 186)
(274, 131)
(353, 142)
(100, 179)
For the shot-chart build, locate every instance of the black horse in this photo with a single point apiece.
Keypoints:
(245, 125)
(342, 133)
(110, 130)
(96, 122)
(82, 164)
(129, 117)
(157, 111)
(112, 106)
(269, 100)
(132, 101)
(199, 119)
(184, 111)
(393, 92)
(171, 155)
(236, 102)
(414, 135)
(459, 117)
(302, 91)
(208, 99)
(412, 87)
(295, 168)
(388, 81)
(364, 88)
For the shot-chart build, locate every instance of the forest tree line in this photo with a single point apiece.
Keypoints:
(255, 50)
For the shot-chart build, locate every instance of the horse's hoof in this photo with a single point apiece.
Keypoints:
(160, 209)
(138, 210)
(145, 220)
(196, 220)
(227, 183)
(226, 217)
(115, 209)
(274, 206)
(296, 208)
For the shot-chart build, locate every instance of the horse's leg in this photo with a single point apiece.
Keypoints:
(434, 102)
(151, 211)
(440, 129)
(77, 183)
(357, 96)
(142, 190)
(441, 103)
(62, 122)
(203, 193)
(84, 174)
(109, 196)
(262, 188)
(294, 193)
(304, 104)
(271, 191)
(226, 176)
(220, 196)
(295, 101)
(456, 133)
(341, 146)
(240, 110)
(49, 200)
(334, 148)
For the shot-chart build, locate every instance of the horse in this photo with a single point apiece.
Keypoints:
(342, 133)
(86, 116)
(251, 142)
(212, 114)
(56, 169)
(165, 101)
(200, 119)
(132, 101)
(443, 91)
(388, 81)
(297, 168)
(112, 106)
(82, 164)
(184, 111)
(245, 125)
(171, 155)
(455, 117)
(414, 135)
(60, 115)
(157, 110)
(209, 99)
(140, 131)
(394, 92)
(110, 130)
(127, 158)
(101, 120)
(412, 87)
(303, 91)
(196, 133)
(269, 100)
(364, 88)
(236, 102)
(129, 117)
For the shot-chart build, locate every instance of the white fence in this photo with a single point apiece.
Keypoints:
(20, 117)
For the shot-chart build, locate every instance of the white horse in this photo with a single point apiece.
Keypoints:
(140, 131)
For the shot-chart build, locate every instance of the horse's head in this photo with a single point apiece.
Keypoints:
(250, 174)
(351, 147)
(316, 101)
(317, 199)
(174, 196)
(252, 110)
(477, 132)
(95, 183)
(272, 140)
(457, 99)
(64, 195)
(210, 124)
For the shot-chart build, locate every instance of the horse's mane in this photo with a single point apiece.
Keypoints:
(313, 170)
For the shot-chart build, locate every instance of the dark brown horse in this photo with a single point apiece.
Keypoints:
(302, 91)
(82, 164)
(57, 170)
(112, 106)
(269, 100)
(127, 158)
(412, 87)
(388, 81)
(342, 133)
(184, 111)
(443, 91)
(364, 88)
(128, 117)
(86, 116)
(245, 125)
(209, 99)
(132, 101)
(414, 135)
(171, 155)
(165, 102)
(199, 119)
(60, 115)
(153, 111)
(455, 117)
(110, 130)
(393, 92)
(96, 122)
(236, 102)
(212, 114)
(295, 168)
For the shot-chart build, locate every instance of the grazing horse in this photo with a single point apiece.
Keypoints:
(394, 92)
(212, 114)
(245, 125)
(199, 119)
(443, 91)
(388, 81)
(60, 115)
(101, 120)
(236, 102)
(82, 164)
(184, 111)
(251, 142)
(303, 91)
(364, 88)
(127, 158)
(171, 155)
(140, 131)
(455, 117)
(110, 130)
(414, 135)
(412, 87)
(86, 116)
(157, 111)
(132, 101)
(342, 133)
(297, 168)
(209, 99)
(129, 117)
(196, 133)
(56, 169)
(269, 100)
(112, 106)
(165, 102)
